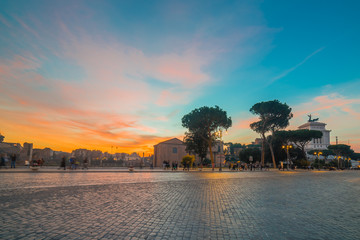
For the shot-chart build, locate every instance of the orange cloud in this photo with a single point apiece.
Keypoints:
(244, 123)
(70, 134)
(65, 115)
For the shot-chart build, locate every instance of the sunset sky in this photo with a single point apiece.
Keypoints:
(96, 74)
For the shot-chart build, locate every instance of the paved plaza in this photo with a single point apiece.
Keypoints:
(181, 205)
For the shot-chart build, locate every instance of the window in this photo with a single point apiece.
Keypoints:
(174, 150)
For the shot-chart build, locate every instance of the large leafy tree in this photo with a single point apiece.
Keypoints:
(300, 138)
(205, 122)
(273, 116)
(1, 138)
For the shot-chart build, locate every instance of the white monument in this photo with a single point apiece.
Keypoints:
(317, 143)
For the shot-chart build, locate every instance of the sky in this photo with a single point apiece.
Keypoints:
(121, 74)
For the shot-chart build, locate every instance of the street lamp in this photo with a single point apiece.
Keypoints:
(317, 154)
(287, 147)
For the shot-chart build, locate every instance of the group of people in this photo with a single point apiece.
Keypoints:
(37, 163)
(13, 158)
(250, 166)
(232, 166)
(73, 163)
(166, 166)
(4, 159)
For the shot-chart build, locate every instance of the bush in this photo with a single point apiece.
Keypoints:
(188, 160)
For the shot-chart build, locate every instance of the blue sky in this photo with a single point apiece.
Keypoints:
(97, 74)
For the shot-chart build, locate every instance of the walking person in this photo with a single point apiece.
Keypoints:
(2, 162)
(85, 163)
(63, 163)
(72, 163)
(13, 160)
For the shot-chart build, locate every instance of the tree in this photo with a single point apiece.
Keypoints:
(300, 138)
(1, 138)
(273, 116)
(205, 122)
(196, 142)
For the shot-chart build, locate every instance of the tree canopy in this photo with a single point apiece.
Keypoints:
(273, 116)
(341, 149)
(300, 138)
(205, 122)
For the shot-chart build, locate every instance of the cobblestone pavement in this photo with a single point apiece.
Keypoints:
(239, 205)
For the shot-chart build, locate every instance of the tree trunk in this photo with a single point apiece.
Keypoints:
(304, 152)
(272, 151)
(272, 154)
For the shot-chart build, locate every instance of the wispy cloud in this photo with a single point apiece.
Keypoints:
(286, 72)
(102, 107)
(4, 21)
(340, 113)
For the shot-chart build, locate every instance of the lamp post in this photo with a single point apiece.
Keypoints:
(287, 147)
(317, 154)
